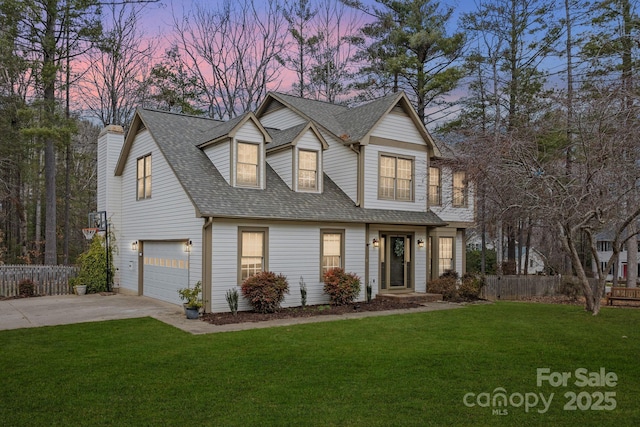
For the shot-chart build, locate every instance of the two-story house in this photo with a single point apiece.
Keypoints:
(298, 187)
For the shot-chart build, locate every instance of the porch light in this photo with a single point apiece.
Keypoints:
(187, 246)
(134, 245)
(375, 243)
(420, 243)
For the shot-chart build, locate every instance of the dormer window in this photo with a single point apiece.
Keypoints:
(307, 170)
(247, 166)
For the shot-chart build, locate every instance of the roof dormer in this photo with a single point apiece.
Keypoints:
(296, 156)
(237, 149)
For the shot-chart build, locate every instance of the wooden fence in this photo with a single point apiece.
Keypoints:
(517, 287)
(48, 279)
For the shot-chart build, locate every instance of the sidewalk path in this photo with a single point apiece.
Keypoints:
(68, 309)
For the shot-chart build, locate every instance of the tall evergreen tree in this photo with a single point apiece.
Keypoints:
(411, 49)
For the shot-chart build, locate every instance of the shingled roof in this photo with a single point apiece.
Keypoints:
(350, 124)
(177, 137)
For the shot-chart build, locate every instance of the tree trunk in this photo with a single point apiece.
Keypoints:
(592, 301)
(49, 81)
(632, 258)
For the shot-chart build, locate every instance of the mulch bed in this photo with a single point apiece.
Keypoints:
(309, 311)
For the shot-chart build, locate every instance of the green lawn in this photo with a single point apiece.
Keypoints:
(400, 370)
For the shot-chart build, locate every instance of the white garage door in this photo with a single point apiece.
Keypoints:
(166, 269)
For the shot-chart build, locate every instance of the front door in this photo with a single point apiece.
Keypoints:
(395, 262)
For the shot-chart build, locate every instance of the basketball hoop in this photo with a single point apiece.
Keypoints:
(89, 232)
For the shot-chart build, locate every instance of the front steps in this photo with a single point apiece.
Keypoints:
(411, 297)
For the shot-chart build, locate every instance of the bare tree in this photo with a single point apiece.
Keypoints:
(109, 88)
(235, 52)
(334, 54)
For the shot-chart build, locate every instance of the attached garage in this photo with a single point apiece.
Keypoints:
(165, 270)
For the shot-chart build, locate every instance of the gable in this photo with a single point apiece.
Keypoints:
(397, 125)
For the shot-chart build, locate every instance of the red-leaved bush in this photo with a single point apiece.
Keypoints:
(341, 287)
(265, 291)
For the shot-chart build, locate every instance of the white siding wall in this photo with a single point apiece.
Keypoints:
(249, 132)
(281, 119)
(294, 250)
(281, 163)
(220, 156)
(109, 195)
(399, 127)
(371, 167)
(341, 164)
(167, 215)
(446, 211)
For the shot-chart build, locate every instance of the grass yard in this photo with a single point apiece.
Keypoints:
(400, 370)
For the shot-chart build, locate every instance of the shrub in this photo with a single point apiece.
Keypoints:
(444, 285)
(26, 288)
(570, 287)
(303, 292)
(471, 286)
(232, 300)
(191, 296)
(265, 291)
(93, 266)
(341, 287)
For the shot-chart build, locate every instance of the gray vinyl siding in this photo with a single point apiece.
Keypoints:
(371, 167)
(341, 164)
(249, 132)
(167, 215)
(281, 162)
(398, 126)
(102, 171)
(109, 186)
(220, 156)
(293, 250)
(283, 118)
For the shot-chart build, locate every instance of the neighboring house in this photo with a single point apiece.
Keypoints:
(297, 188)
(604, 249)
(536, 262)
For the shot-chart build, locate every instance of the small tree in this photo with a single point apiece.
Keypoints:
(93, 266)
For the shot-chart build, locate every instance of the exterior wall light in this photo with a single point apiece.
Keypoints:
(375, 243)
(134, 246)
(187, 246)
(420, 243)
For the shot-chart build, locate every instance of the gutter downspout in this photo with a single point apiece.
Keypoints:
(207, 231)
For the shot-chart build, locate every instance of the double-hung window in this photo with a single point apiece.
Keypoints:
(331, 250)
(395, 181)
(143, 177)
(459, 189)
(252, 252)
(307, 170)
(445, 254)
(435, 187)
(247, 166)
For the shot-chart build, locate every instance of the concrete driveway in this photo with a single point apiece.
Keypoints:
(67, 309)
